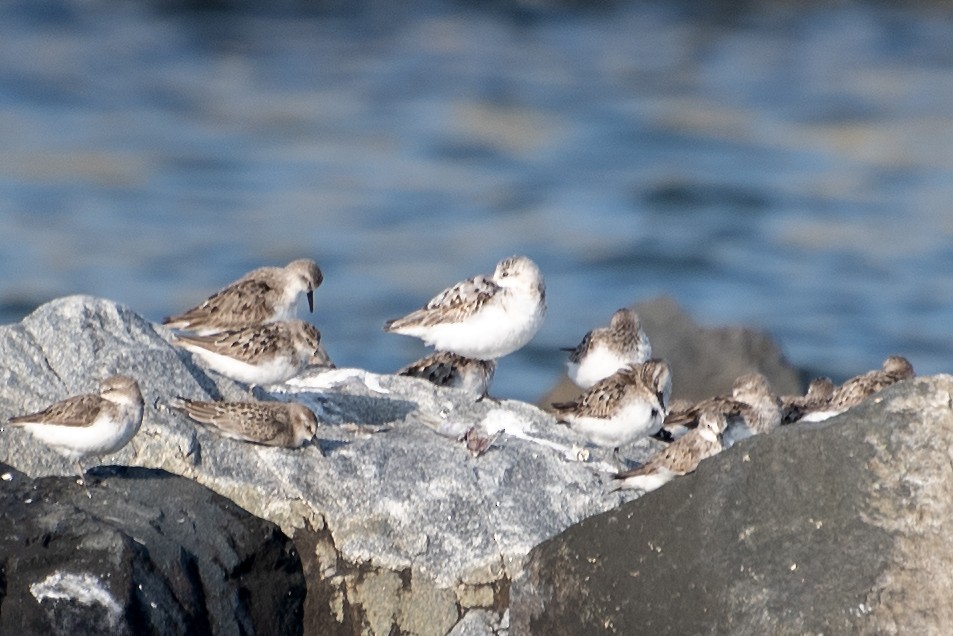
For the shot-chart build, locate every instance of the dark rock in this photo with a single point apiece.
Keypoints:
(835, 528)
(705, 360)
(147, 553)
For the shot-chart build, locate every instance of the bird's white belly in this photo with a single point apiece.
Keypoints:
(598, 364)
(820, 416)
(494, 331)
(276, 369)
(633, 421)
(649, 481)
(102, 437)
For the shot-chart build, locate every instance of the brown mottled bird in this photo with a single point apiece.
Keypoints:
(627, 405)
(859, 388)
(89, 424)
(286, 424)
(263, 295)
(605, 350)
(678, 458)
(751, 409)
(455, 371)
(817, 398)
(268, 353)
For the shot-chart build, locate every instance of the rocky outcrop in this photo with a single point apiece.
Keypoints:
(399, 526)
(835, 528)
(402, 524)
(705, 361)
(145, 553)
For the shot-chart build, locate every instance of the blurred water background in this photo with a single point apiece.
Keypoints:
(779, 166)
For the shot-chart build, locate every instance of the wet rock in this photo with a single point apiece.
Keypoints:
(146, 553)
(836, 528)
(705, 361)
(399, 526)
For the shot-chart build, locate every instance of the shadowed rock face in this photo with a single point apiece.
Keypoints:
(147, 553)
(835, 528)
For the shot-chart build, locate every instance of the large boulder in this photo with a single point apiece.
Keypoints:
(705, 360)
(145, 553)
(835, 528)
(400, 527)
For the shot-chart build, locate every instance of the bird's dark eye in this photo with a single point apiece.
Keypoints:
(655, 413)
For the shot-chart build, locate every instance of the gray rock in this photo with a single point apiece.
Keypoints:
(147, 553)
(705, 360)
(479, 623)
(835, 528)
(399, 527)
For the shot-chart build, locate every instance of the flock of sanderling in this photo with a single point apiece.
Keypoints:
(247, 332)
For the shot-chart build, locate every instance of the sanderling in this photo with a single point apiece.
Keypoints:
(678, 458)
(482, 318)
(286, 424)
(89, 424)
(627, 405)
(817, 398)
(264, 354)
(605, 350)
(857, 389)
(752, 409)
(451, 370)
(263, 295)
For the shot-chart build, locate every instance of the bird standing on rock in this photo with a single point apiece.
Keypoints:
(817, 398)
(451, 370)
(263, 295)
(752, 408)
(859, 388)
(484, 318)
(678, 458)
(285, 424)
(617, 410)
(605, 350)
(266, 354)
(89, 424)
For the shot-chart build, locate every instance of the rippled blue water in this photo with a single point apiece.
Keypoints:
(786, 170)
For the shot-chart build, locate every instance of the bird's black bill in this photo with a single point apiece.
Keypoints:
(311, 301)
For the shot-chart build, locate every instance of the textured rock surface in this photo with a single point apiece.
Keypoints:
(399, 527)
(147, 553)
(836, 528)
(705, 360)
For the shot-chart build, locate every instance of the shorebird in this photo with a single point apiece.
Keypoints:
(817, 398)
(482, 318)
(263, 295)
(285, 424)
(678, 458)
(751, 409)
(617, 410)
(859, 388)
(265, 354)
(88, 424)
(451, 370)
(605, 350)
